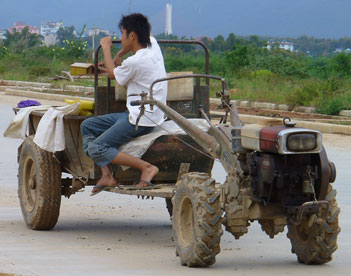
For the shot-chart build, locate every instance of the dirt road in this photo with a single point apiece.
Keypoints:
(112, 234)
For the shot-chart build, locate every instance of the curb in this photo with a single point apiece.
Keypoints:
(46, 96)
(44, 86)
(322, 127)
(281, 107)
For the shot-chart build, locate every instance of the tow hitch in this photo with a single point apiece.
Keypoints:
(319, 208)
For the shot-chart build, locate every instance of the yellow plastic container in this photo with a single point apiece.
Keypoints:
(86, 107)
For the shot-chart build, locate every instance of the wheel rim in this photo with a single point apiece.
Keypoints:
(186, 225)
(29, 184)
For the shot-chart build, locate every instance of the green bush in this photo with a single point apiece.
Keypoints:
(305, 95)
(238, 58)
(2, 69)
(319, 67)
(312, 91)
(342, 64)
(262, 74)
(38, 70)
(4, 51)
(332, 105)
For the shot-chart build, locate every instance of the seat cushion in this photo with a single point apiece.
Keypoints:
(178, 90)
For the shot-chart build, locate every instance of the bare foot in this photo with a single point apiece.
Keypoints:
(147, 174)
(106, 181)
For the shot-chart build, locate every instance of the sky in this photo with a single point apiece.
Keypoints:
(193, 18)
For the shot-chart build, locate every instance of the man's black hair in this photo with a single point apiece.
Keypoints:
(139, 24)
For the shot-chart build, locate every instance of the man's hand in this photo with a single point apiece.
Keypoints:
(106, 42)
(102, 67)
(118, 58)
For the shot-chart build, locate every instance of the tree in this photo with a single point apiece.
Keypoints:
(207, 41)
(238, 58)
(66, 33)
(256, 41)
(18, 42)
(230, 41)
(342, 64)
(219, 43)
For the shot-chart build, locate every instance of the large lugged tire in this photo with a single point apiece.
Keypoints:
(169, 206)
(197, 218)
(39, 186)
(316, 244)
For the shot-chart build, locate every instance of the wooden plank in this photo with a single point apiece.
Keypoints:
(166, 191)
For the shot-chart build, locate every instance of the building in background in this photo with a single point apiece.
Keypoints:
(96, 31)
(50, 39)
(285, 45)
(168, 25)
(19, 26)
(2, 34)
(49, 31)
(342, 50)
(50, 27)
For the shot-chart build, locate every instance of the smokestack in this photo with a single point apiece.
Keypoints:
(168, 28)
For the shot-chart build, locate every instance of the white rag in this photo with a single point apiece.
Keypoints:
(19, 124)
(50, 135)
(138, 146)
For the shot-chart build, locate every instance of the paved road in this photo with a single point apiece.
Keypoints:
(120, 235)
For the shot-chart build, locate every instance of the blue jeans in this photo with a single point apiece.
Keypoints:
(102, 135)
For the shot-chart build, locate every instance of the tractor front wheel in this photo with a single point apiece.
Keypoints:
(197, 218)
(314, 240)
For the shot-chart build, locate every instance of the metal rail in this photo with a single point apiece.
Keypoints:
(96, 63)
(224, 84)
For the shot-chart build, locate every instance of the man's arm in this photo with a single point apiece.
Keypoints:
(106, 44)
(118, 58)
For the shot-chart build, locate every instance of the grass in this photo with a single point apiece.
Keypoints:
(329, 96)
(275, 90)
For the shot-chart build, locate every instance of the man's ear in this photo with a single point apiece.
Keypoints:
(132, 35)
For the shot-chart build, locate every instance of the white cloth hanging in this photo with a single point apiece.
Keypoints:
(50, 135)
(19, 124)
(138, 146)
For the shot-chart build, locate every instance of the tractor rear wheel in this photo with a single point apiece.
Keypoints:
(39, 186)
(169, 206)
(197, 218)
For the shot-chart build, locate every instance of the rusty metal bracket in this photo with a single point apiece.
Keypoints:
(319, 208)
(142, 106)
(183, 168)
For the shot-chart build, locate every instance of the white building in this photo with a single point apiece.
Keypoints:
(168, 25)
(2, 34)
(342, 50)
(285, 45)
(50, 39)
(97, 31)
(49, 31)
(50, 27)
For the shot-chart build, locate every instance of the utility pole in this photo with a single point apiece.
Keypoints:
(93, 39)
(129, 6)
